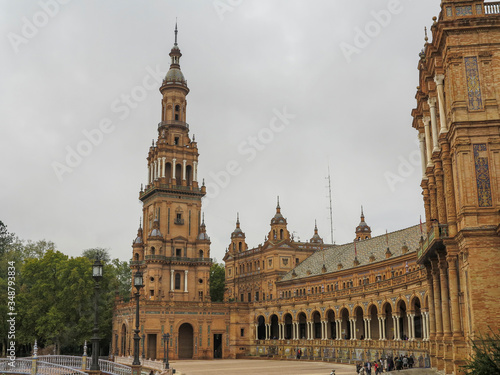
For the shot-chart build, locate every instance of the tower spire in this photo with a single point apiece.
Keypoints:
(175, 31)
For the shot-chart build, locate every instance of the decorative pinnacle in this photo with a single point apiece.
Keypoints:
(278, 205)
(362, 214)
(237, 220)
(35, 350)
(175, 43)
(426, 38)
(203, 218)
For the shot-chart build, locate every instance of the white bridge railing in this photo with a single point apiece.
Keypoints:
(24, 366)
(107, 367)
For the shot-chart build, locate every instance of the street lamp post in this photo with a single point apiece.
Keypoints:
(97, 275)
(166, 339)
(138, 283)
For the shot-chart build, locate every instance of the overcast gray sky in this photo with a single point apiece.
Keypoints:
(317, 83)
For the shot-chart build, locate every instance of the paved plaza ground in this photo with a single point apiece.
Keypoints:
(258, 367)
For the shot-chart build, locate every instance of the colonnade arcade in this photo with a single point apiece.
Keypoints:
(398, 320)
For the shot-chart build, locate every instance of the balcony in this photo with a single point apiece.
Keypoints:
(176, 189)
(163, 258)
(433, 242)
(179, 221)
(180, 124)
(492, 8)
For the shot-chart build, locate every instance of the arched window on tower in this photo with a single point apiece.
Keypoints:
(177, 113)
(152, 251)
(239, 247)
(281, 234)
(201, 254)
(136, 256)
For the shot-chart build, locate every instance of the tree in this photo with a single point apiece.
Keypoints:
(485, 359)
(97, 253)
(6, 238)
(217, 282)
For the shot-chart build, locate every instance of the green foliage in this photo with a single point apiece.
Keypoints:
(485, 359)
(55, 294)
(97, 253)
(217, 282)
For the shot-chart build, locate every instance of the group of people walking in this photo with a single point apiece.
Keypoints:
(385, 365)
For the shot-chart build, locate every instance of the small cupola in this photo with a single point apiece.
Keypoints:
(363, 231)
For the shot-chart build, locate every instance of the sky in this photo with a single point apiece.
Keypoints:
(284, 92)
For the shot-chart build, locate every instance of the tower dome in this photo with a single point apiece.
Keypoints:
(174, 74)
(363, 231)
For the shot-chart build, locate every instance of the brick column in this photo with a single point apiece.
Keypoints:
(437, 299)
(455, 309)
(443, 274)
(432, 193)
(431, 321)
(450, 191)
(438, 172)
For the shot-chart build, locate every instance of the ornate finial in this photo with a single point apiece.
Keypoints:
(35, 350)
(203, 183)
(426, 38)
(194, 137)
(140, 222)
(203, 218)
(175, 43)
(315, 224)
(362, 214)
(434, 19)
(142, 188)
(237, 219)
(85, 348)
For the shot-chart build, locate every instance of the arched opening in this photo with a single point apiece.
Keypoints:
(288, 326)
(168, 171)
(261, 328)
(302, 325)
(186, 341)
(177, 281)
(239, 247)
(200, 254)
(281, 234)
(136, 256)
(177, 113)
(189, 175)
(274, 327)
(417, 320)
(331, 332)
(389, 322)
(153, 251)
(345, 324)
(403, 321)
(178, 175)
(359, 326)
(123, 346)
(374, 326)
(316, 318)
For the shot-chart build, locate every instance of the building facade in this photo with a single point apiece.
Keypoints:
(458, 120)
(425, 291)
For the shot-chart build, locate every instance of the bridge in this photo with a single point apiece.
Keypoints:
(74, 365)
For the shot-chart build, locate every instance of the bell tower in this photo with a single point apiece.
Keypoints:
(458, 122)
(172, 247)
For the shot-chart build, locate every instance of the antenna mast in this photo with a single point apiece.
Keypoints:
(331, 210)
